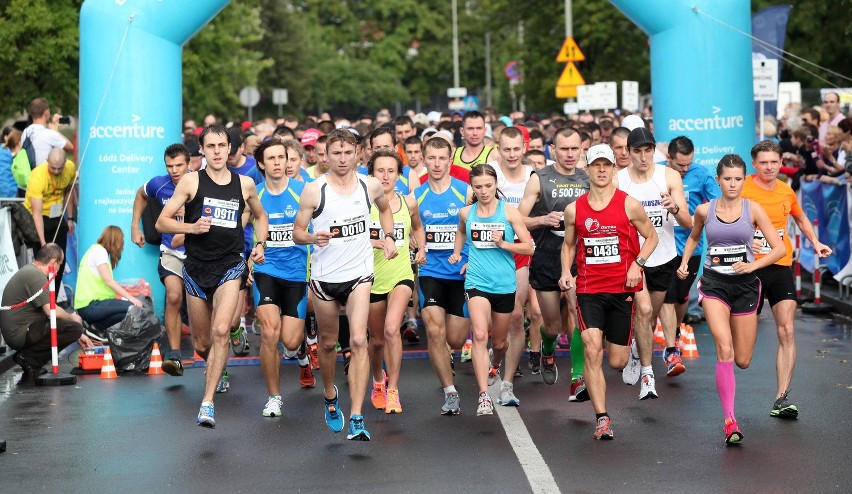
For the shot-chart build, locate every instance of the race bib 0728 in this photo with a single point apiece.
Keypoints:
(222, 213)
(376, 232)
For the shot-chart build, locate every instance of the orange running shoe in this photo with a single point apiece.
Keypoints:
(393, 405)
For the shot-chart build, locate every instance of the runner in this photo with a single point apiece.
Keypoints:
(213, 270)
(342, 268)
(779, 201)
(602, 229)
(172, 251)
(699, 187)
(442, 302)
(660, 190)
(394, 281)
(474, 152)
(280, 283)
(489, 274)
(543, 206)
(512, 178)
(729, 289)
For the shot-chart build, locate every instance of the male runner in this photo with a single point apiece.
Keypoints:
(780, 202)
(544, 205)
(601, 230)
(699, 186)
(342, 268)
(660, 191)
(214, 200)
(474, 151)
(441, 285)
(172, 251)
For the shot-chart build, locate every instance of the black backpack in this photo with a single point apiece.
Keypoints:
(149, 221)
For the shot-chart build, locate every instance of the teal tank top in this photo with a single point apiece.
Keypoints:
(490, 268)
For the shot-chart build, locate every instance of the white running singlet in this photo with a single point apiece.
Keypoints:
(648, 194)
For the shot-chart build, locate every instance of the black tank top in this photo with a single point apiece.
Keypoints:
(225, 205)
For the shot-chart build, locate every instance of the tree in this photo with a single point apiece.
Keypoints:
(40, 54)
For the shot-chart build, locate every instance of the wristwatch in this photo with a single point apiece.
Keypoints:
(262, 243)
(640, 261)
(390, 236)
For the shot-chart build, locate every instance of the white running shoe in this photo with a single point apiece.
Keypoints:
(648, 389)
(630, 374)
(273, 407)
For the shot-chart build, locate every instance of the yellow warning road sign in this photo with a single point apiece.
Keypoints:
(570, 76)
(570, 52)
(566, 92)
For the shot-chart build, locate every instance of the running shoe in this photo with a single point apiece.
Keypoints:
(485, 406)
(392, 404)
(451, 404)
(347, 359)
(493, 375)
(290, 354)
(273, 407)
(409, 331)
(563, 341)
(377, 394)
(98, 335)
(306, 377)
(603, 430)
(519, 372)
(224, 383)
(535, 363)
(578, 390)
(674, 364)
(313, 355)
(173, 367)
(333, 416)
(239, 342)
(630, 374)
(648, 389)
(466, 351)
(549, 373)
(783, 409)
(357, 432)
(732, 432)
(205, 415)
(507, 396)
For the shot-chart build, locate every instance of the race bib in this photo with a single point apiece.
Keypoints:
(764, 247)
(223, 213)
(722, 259)
(280, 236)
(481, 234)
(440, 237)
(655, 214)
(347, 229)
(602, 250)
(376, 232)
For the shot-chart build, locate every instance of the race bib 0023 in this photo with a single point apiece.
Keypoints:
(222, 213)
(280, 236)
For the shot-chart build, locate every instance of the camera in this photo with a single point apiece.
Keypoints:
(64, 120)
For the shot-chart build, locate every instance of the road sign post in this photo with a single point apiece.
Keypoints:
(249, 97)
(280, 97)
(765, 74)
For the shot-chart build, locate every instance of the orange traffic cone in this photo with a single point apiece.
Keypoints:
(155, 367)
(690, 349)
(108, 369)
(659, 336)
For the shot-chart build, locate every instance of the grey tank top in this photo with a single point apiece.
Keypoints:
(728, 243)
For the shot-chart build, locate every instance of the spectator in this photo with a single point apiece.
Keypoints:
(27, 329)
(47, 194)
(95, 299)
(828, 161)
(831, 104)
(42, 132)
(8, 149)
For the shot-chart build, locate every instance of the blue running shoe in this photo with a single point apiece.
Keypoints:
(333, 416)
(205, 416)
(357, 432)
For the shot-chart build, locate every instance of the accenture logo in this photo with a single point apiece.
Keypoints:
(715, 122)
(132, 131)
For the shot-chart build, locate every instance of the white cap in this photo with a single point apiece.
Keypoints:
(600, 151)
(434, 116)
(632, 122)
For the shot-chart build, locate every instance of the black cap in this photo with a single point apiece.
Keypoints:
(236, 140)
(640, 136)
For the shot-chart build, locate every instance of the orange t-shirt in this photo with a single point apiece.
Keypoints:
(779, 203)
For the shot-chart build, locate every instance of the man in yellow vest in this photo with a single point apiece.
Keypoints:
(474, 152)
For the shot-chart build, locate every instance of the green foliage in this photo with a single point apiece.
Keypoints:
(40, 54)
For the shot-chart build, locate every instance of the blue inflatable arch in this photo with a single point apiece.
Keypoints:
(130, 110)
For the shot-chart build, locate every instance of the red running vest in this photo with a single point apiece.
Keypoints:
(607, 244)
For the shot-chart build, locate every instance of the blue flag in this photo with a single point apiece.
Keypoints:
(769, 25)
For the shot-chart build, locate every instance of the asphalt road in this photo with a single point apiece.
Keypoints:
(138, 433)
